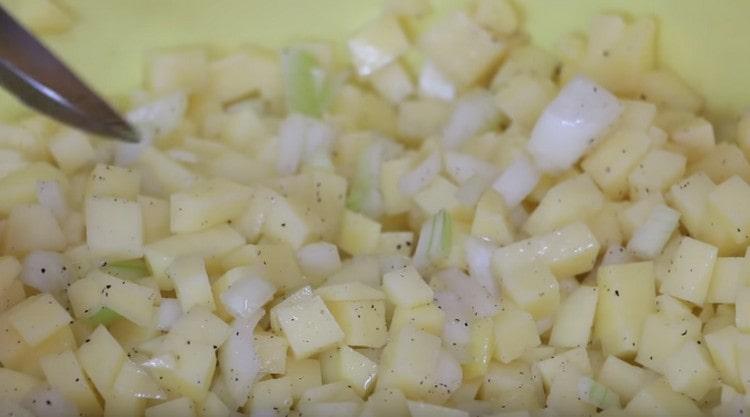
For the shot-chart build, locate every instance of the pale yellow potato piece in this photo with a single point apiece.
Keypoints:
(65, 374)
(515, 331)
(38, 317)
(309, 327)
(690, 275)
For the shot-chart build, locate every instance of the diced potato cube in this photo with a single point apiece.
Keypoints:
(723, 162)
(377, 45)
(101, 357)
(513, 387)
(386, 402)
(272, 397)
(690, 371)
(626, 298)
(113, 181)
(182, 407)
(480, 349)
(192, 373)
(362, 321)
(742, 309)
(439, 195)
(177, 70)
(395, 243)
(670, 333)
(564, 395)
(623, 378)
(724, 201)
(392, 82)
(114, 239)
(32, 227)
(690, 197)
(515, 331)
(568, 201)
(656, 172)
(492, 220)
(206, 204)
(568, 251)
(533, 289)
(524, 97)
(188, 275)
(155, 215)
(359, 234)
(71, 150)
(10, 268)
(406, 288)
(422, 409)
(690, 275)
(408, 362)
(280, 263)
(64, 374)
(461, 49)
(346, 365)
(695, 135)
(38, 317)
(271, 350)
(418, 119)
(303, 375)
(243, 73)
(726, 279)
(16, 385)
(728, 353)
(427, 318)
(309, 327)
(610, 163)
(576, 359)
(575, 318)
(658, 399)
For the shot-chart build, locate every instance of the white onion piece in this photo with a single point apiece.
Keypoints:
(50, 403)
(650, 237)
(616, 254)
(472, 296)
(46, 271)
(472, 114)
(456, 332)
(238, 360)
(50, 195)
(479, 257)
(291, 144)
(152, 120)
(517, 181)
(365, 196)
(169, 312)
(462, 167)
(319, 259)
(301, 138)
(420, 177)
(247, 295)
(432, 83)
(571, 123)
(447, 376)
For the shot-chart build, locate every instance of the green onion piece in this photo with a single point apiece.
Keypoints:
(104, 316)
(308, 88)
(128, 270)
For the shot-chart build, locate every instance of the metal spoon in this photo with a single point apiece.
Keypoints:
(38, 78)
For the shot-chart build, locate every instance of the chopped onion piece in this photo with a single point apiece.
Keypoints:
(435, 240)
(571, 124)
(238, 359)
(247, 296)
(308, 89)
(650, 237)
(597, 394)
(456, 333)
(364, 195)
(51, 195)
(152, 120)
(421, 176)
(300, 138)
(169, 312)
(479, 257)
(319, 259)
(462, 167)
(517, 181)
(448, 375)
(616, 254)
(46, 271)
(432, 83)
(474, 298)
(473, 114)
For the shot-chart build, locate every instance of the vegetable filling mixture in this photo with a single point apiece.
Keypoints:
(441, 221)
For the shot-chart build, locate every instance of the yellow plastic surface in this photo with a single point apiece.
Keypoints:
(706, 42)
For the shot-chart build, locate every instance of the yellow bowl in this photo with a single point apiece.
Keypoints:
(705, 42)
